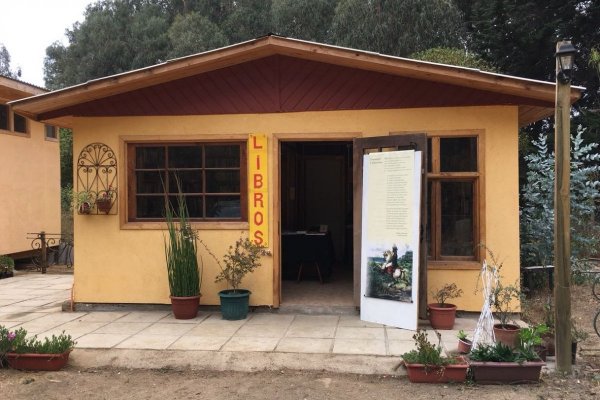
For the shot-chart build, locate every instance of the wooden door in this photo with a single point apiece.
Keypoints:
(362, 146)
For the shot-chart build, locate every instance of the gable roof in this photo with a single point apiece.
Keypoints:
(13, 89)
(534, 98)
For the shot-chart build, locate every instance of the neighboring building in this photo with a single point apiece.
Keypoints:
(194, 116)
(29, 173)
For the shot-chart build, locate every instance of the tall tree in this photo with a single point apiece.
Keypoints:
(193, 33)
(397, 27)
(248, 19)
(304, 19)
(5, 68)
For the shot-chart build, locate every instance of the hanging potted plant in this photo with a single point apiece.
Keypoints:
(184, 271)
(441, 313)
(104, 202)
(426, 364)
(239, 261)
(84, 201)
(32, 354)
(504, 298)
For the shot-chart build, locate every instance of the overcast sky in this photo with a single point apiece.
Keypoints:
(27, 27)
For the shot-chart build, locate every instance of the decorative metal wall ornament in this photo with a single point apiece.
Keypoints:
(97, 177)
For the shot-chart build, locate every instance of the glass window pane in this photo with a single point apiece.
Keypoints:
(50, 131)
(458, 154)
(223, 207)
(190, 181)
(429, 157)
(185, 157)
(222, 181)
(3, 117)
(222, 156)
(20, 123)
(194, 205)
(149, 182)
(457, 218)
(150, 157)
(150, 206)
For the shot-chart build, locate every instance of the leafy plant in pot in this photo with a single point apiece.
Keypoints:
(239, 260)
(21, 352)
(464, 343)
(84, 201)
(181, 253)
(531, 339)
(441, 313)
(426, 363)
(504, 298)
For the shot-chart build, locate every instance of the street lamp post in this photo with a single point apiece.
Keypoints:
(565, 53)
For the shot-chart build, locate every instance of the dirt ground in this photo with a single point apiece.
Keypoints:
(171, 384)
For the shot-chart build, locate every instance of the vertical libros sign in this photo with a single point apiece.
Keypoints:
(390, 238)
(258, 207)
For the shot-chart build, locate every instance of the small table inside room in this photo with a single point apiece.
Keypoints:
(307, 255)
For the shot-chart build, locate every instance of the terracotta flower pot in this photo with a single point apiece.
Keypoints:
(185, 307)
(464, 346)
(104, 205)
(420, 373)
(507, 334)
(487, 372)
(442, 317)
(38, 362)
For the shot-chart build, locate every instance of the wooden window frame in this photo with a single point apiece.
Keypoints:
(436, 177)
(130, 148)
(54, 137)
(25, 120)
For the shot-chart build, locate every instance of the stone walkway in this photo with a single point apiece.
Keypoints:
(154, 339)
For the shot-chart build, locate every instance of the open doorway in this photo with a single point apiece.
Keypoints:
(316, 226)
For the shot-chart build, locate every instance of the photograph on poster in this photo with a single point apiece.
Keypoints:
(389, 273)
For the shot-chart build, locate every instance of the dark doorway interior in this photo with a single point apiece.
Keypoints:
(316, 217)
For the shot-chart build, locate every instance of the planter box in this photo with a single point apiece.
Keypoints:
(37, 362)
(506, 372)
(420, 373)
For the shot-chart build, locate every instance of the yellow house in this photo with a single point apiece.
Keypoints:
(265, 136)
(30, 173)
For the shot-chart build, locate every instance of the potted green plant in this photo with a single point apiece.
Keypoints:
(84, 201)
(104, 202)
(7, 266)
(464, 343)
(181, 253)
(577, 335)
(531, 339)
(239, 260)
(21, 352)
(504, 300)
(426, 363)
(441, 313)
(498, 363)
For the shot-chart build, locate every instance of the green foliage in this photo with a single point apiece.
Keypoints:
(500, 352)
(194, 33)
(537, 211)
(426, 352)
(5, 69)
(303, 19)
(240, 260)
(66, 157)
(397, 27)
(248, 19)
(18, 342)
(66, 198)
(446, 292)
(462, 335)
(531, 336)
(504, 300)
(7, 264)
(185, 276)
(453, 56)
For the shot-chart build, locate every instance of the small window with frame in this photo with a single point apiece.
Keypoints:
(51, 132)
(19, 123)
(4, 123)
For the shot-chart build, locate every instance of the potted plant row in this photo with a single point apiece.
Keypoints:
(497, 363)
(426, 364)
(21, 352)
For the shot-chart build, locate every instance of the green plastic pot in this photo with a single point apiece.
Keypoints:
(234, 304)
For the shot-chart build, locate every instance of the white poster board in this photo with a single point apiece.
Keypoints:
(391, 211)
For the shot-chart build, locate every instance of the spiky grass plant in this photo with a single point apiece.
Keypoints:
(185, 276)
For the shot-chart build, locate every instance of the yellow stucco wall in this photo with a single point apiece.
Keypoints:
(30, 182)
(118, 265)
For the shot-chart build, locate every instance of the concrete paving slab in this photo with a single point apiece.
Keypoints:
(75, 329)
(21, 316)
(262, 331)
(354, 321)
(304, 345)
(141, 341)
(100, 340)
(399, 347)
(160, 328)
(345, 332)
(359, 346)
(218, 320)
(210, 343)
(399, 334)
(270, 319)
(102, 316)
(9, 324)
(123, 328)
(316, 320)
(310, 331)
(144, 316)
(170, 318)
(213, 330)
(244, 344)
